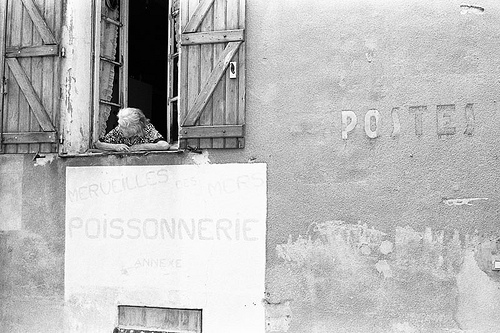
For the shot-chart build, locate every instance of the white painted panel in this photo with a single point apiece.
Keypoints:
(189, 236)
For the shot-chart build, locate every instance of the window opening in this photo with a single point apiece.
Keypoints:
(158, 320)
(146, 54)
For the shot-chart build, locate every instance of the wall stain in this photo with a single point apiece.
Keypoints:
(424, 279)
(461, 201)
(479, 298)
(44, 160)
(32, 265)
(278, 315)
(200, 159)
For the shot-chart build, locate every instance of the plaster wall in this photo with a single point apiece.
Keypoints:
(389, 234)
(405, 270)
(76, 77)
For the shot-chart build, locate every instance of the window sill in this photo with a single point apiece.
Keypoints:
(174, 149)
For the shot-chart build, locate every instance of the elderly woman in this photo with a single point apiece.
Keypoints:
(133, 133)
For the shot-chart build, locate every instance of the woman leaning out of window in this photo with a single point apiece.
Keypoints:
(133, 133)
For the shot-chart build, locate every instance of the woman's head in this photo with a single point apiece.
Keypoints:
(132, 121)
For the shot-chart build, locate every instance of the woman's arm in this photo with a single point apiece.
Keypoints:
(112, 146)
(160, 145)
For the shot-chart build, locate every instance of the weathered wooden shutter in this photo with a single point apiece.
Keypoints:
(212, 69)
(29, 59)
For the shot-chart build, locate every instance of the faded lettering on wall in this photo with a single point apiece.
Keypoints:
(164, 228)
(445, 120)
(162, 177)
(169, 235)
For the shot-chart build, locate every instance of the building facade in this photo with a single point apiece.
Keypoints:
(337, 169)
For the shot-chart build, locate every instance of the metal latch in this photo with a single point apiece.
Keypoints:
(62, 52)
(232, 70)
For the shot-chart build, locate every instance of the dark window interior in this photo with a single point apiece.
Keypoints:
(148, 61)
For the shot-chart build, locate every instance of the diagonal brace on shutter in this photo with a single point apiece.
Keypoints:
(39, 22)
(198, 16)
(30, 94)
(208, 88)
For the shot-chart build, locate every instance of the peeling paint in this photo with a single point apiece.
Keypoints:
(461, 202)
(352, 270)
(466, 9)
(403, 328)
(478, 298)
(386, 247)
(200, 159)
(44, 160)
(383, 267)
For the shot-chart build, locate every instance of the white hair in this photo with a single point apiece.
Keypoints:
(133, 119)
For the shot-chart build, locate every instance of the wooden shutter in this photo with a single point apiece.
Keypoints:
(29, 58)
(211, 101)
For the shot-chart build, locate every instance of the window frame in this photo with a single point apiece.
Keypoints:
(123, 32)
(228, 130)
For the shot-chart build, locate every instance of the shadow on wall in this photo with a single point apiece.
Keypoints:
(352, 278)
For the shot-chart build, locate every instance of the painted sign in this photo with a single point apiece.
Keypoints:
(445, 115)
(186, 236)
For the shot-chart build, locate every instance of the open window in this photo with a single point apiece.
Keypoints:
(133, 319)
(180, 61)
(132, 64)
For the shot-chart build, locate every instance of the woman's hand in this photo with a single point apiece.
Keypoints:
(160, 145)
(121, 147)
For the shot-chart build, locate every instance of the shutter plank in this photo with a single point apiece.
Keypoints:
(207, 50)
(183, 71)
(32, 51)
(39, 22)
(36, 76)
(24, 63)
(3, 24)
(30, 94)
(219, 94)
(198, 13)
(208, 88)
(11, 107)
(50, 72)
(218, 131)
(232, 84)
(212, 37)
(242, 76)
(194, 84)
(29, 137)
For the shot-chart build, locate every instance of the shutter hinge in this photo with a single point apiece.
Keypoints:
(4, 86)
(62, 52)
(61, 140)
